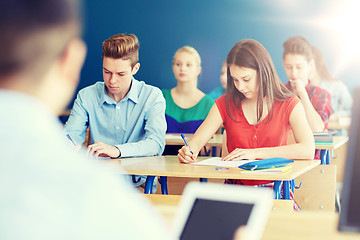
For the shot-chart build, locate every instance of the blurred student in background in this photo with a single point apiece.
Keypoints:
(341, 99)
(186, 105)
(217, 92)
(298, 63)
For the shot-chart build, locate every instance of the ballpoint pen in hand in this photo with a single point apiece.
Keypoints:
(183, 137)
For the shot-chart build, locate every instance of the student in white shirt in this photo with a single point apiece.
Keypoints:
(48, 190)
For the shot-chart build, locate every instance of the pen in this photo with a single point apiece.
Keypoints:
(183, 137)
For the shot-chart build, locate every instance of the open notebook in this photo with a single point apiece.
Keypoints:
(215, 211)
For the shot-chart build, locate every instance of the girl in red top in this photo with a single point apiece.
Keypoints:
(258, 112)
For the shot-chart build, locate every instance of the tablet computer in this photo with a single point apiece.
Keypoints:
(215, 211)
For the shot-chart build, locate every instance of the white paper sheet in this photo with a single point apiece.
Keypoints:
(216, 161)
(173, 137)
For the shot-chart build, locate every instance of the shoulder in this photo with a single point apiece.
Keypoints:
(206, 102)
(222, 98)
(92, 93)
(166, 93)
(146, 90)
(287, 105)
(95, 88)
(318, 90)
(337, 84)
(221, 101)
(216, 92)
(292, 100)
(208, 99)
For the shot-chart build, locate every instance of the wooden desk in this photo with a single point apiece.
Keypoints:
(338, 142)
(170, 166)
(216, 141)
(165, 166)
(173, 200)
(281, 225)
(327, 149)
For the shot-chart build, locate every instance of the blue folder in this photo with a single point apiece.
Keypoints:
(266, 163)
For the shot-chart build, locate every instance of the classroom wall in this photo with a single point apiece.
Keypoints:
(210, 26)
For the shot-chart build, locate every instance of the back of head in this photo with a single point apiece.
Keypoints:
(34, 34)
(122, 46)
(191, 51)
(298, 45)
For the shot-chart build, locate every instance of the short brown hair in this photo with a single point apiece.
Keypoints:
(298, 45)
(124, 46)
(29, 42)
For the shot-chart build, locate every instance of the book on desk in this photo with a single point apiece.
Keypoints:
(324, 137)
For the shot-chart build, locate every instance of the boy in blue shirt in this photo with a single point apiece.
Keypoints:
(126, 117)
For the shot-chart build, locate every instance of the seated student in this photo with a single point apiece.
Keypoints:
(341, 100)
(48, 190)
(217, 92)
(257, 112)
(186, 105)
(126, 117)
(298, 63)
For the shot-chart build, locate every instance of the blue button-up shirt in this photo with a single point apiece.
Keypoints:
(136, 125)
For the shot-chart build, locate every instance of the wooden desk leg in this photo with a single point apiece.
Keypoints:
(163, 183)
(149, 184)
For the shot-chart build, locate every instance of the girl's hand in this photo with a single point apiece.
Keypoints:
(241, 154)
(185, 155)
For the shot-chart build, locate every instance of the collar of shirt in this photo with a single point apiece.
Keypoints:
(132, 95)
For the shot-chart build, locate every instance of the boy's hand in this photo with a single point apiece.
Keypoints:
(103, 150)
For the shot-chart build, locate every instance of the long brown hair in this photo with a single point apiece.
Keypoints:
(320, 65)
(250, 53)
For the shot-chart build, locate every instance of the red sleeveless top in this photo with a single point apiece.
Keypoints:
(241, 134)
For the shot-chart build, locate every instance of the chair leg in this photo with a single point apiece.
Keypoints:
(148, 184)
(163, 183)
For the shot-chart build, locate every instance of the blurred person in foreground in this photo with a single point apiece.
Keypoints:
(48, 190)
